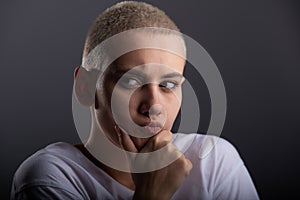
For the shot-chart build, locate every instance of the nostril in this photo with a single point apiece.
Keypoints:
(155, 109)
(146, 114)
(151, 111)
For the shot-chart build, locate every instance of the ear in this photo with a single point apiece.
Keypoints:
(85, 86)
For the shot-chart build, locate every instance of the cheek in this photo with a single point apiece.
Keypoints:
(134, 107)
(104, 95)
(172, 108)
(122, 107)
(172, 112)
(107, 93)
(134, 102)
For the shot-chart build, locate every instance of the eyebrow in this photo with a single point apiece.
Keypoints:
(120, 72)
(137, 73)
(173, 75)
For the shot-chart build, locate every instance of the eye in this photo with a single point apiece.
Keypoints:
(129, 83)
(169, 84)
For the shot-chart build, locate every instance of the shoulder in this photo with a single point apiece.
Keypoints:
(214, 156)
(47, 158)
(206, 146)
(45, 168)
(59, 171)
(218, 166)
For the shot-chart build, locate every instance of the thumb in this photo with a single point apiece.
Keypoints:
(125, 141)
(127, 145)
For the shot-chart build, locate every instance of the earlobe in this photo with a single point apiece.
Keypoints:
(84, 86)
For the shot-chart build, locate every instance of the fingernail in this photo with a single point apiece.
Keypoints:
(119, 134)
(117, 130)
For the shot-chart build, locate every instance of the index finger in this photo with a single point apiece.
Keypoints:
(158, 141)
(125, 141)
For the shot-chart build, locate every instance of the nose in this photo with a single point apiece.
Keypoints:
(151, 101)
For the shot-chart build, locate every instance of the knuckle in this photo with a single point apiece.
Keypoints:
(181, 162)
(155, 141)
(169, 134)
(172, 149)
(159, 142)
(184, 164)
(188, 167)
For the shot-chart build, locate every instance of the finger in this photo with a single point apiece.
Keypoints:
(189, 166)
(125, 141)
(158, 141)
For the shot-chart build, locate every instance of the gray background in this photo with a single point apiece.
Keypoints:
(255, 44)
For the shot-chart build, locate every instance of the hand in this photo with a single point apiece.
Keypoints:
(161, 183)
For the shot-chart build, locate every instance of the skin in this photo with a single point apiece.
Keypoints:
(158, 101)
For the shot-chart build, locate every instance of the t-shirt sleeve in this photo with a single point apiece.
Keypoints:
(43, 192)
(60, 171)
(42, 176)
(231, 177)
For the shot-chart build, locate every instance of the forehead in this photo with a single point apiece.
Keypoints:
(151, 57)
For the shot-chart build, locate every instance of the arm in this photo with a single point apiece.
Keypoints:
(161, 183)
(36, 192)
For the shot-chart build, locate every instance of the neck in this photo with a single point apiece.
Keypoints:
(108, 156)
(123, 178)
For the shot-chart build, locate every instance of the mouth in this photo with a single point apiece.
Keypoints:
(153, 127)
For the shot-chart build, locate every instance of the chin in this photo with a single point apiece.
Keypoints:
(139, 142)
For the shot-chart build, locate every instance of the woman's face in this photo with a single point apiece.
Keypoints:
(141, 93)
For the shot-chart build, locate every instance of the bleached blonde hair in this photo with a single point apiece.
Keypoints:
(121, 17)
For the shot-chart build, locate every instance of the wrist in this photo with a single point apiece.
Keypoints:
(149, 195)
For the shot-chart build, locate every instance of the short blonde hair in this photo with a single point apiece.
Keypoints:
(124, 16)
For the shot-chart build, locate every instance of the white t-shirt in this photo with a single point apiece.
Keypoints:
(61, 171)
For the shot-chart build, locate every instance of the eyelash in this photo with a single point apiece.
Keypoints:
(165, 85)
(125, 83)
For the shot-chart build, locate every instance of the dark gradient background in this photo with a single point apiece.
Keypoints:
(255, 44)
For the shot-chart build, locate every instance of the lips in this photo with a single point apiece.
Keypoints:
(153, 127)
